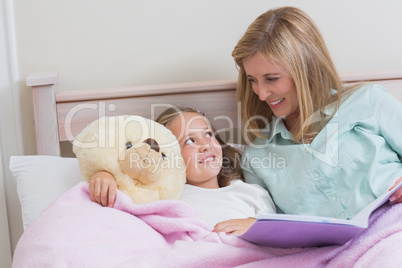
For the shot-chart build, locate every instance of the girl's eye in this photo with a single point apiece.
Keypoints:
(209, 134)
(163, 156)
(189, 141)
(251, 80)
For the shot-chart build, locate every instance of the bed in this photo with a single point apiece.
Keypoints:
(63, 228)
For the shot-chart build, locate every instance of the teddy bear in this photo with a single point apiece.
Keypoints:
(143, 156)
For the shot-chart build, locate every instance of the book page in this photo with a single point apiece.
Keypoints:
(302, 218)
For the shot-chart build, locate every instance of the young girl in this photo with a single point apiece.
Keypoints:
(215, 186)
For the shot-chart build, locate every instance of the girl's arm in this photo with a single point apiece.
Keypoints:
(234, 227)
(102, 188)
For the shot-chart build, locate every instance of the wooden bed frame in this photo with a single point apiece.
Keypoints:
(59, 116)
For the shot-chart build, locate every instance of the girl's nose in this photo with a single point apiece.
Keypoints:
(204, 146)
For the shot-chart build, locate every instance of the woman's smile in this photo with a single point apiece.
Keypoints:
(275, 104)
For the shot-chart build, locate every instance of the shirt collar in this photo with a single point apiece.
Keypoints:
(277, 126)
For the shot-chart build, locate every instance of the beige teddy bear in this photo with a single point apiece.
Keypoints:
(142, 155)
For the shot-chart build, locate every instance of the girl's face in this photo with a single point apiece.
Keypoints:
(201, 151)
(273, 84)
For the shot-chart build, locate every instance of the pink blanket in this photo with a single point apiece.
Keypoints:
(76, 232)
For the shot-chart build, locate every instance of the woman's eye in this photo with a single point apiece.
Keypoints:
(189, 141)
(272, 79)
(209, 134)
(251, 80)
(163, 156)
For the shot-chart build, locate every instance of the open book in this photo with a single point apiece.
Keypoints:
(285, 230)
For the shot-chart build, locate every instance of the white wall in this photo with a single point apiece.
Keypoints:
(103, 43)
(11, 142)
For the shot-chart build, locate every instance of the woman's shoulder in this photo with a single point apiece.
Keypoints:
(368, 91)
(365, 95)
(363, 103)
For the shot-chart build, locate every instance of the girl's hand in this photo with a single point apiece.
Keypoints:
(397, 196)
(234, 227)
(102, 188)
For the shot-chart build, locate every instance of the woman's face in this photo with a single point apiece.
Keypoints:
(273, 84)
(201, 152)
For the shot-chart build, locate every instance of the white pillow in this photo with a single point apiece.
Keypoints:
(42, 179)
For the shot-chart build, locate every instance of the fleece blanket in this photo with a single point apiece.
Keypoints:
(76, 232)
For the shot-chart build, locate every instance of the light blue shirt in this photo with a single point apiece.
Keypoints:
(352, 161)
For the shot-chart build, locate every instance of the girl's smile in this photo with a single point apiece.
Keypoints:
(208, 158)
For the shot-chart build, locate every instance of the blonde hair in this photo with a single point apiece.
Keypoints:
(290, 38)
(231, 168)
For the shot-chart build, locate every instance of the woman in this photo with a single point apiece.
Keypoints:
(331, 149)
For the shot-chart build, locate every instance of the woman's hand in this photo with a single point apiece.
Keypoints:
(397, 196)
(102, 188)
(234, 227)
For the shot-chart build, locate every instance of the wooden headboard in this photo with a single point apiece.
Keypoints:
(59, 116)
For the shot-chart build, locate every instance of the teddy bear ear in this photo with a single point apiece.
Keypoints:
(153, 143)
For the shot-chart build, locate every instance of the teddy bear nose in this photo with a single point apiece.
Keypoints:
(129, 145)
(153, 143)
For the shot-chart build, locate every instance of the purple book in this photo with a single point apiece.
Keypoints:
(286, 231)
